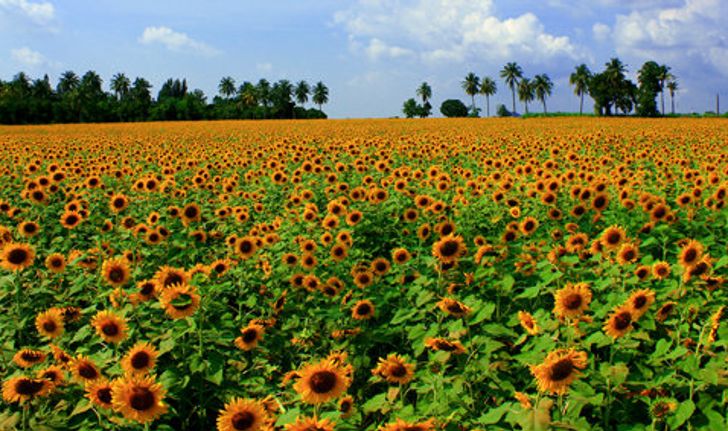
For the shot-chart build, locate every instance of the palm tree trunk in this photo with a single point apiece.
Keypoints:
(544, 106)
(487, 104)
(513, 93)
(525, 105)
(672, 102)
(581, 104)
(662, 101)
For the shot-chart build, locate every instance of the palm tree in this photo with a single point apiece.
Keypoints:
(425, 92)
(120, 84)
(471, 85)
(580, 80)
(226, 87)
(301, 91)
(248, 95)
(615, 73)
(672, 86)
(525, 92)
(487, 88)
(68, 82)
(542, 86)
(263, 91)
(320, 94)
(663, 76)
(511, 73)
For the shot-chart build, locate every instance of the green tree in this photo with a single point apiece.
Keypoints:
(120, 85)
(543, 87)
(302, 91)
(425, 92)
(471, 86)
(248, 95)
(226, 87)
(526, 92)
(580, 80)
(672, 87)
(649, 85)
(663, 76)
(410, 109)
(67, 82)
(512, 73)
(320, 95)
(488, 88)
(453, 108)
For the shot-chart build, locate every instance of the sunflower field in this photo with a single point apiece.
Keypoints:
(383, 275)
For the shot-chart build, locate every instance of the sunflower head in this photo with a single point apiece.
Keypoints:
(363, 310)
(449, 248)
(16, 256)
(20, 389)
(109, 326)
(242, 415)
(140, 359)
(394, 369)
(116, 272)
(559, 369)
(620, 321)
(453, 307)
(572, 300)
(639, 301)
(26, 358)
(528, 322)
(250, 336)
(321, 382)
(99, 393)
(138, 398)
(180, 301)
(50, 323)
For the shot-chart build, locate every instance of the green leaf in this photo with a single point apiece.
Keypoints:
(494, 415)
(375, 403)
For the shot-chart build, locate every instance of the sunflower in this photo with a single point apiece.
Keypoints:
(140, 359)
(250, 336)
(449, 249)
(55, 263)
(71, 219)
(363, 279)
(16, 256)
(690, 254)
(400, 425)
(116, 272)
(612, 237)
(394, 369)
(628, 253)
(138, 398)
(53, 374)
(661, 270)
(572, 300)
(242, 415)
(528, 322)
(363, 310)
(180, 300)
(20, 389)
(339, 252)
(445, 345)
(620, 321)
(380, 266)
(401, 256)
(321, 382)
(99, 393)
(50, 323)
(84, 369)
(639, 301)
(166, 276)
(118, 203)
(528, 225)
(26, 358)
(109, 326)
(311, 424)
(28, 229)
(665, 310)
(190, 213)
(146, 290)
(246, 247)
(453, 307)
(559, 369)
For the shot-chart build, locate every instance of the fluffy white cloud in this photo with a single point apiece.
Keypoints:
(175, 41)
(692, 31)
(448, 30)
(601, 31)
(40, 12)
(27, 57)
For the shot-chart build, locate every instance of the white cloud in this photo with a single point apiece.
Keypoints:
(685, 35)
(601, 31)
(40, 12)
(175, 41)
(264, 67)
(448, 30)
(27, 57)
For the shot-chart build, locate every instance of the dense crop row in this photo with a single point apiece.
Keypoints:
(365, 275)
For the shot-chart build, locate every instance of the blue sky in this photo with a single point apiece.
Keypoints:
(371, 53)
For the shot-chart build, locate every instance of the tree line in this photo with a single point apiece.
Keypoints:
(82, 99)
(612, 92)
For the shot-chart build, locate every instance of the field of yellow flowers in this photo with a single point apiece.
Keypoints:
(384, 275)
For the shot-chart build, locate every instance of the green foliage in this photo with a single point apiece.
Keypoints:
(453, 108)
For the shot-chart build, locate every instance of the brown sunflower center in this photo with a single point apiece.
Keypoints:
(17, 256)
(110, 329)
(243, 420)
(449, 248)
(116, 275)
(622, 320)
(87, 371)
(141, 399)
(28, 387)
(56, 262)
(573, 301)
(119, 203)
(173, 278)
(31, 356)
(363, 309)
(323, 381)
(147, 289)
(140, 360)
(690, 255)
(104, 395)
(245, 246)
(640, 301)
(71, 219)
(250, 335)
(455, 308)
(190, 212)
(561, 369)
(398, 370)
(614, 238)
(49, 326)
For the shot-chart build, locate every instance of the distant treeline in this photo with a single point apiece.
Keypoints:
(82, 99)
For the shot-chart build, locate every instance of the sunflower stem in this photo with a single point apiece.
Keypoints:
(24, 417)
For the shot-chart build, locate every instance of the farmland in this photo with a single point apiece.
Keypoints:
(387, 275)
